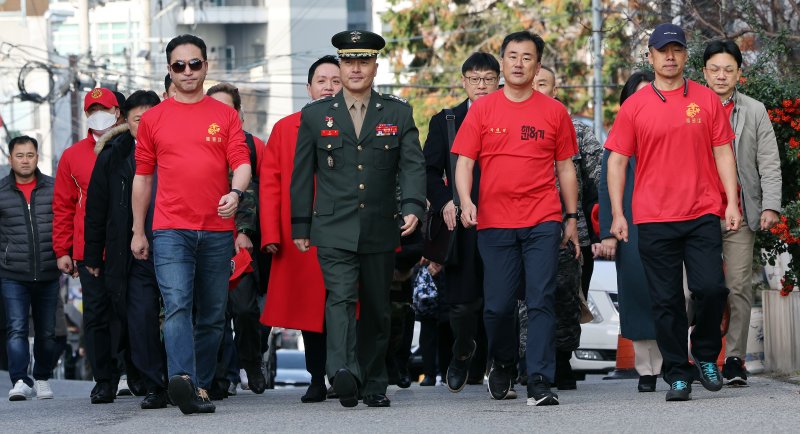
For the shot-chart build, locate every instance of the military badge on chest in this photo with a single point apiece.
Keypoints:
(329, 121)
(329, 147)
(386, 130)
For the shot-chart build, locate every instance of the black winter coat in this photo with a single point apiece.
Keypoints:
(464, 282)
(109, 218)
(26, 232)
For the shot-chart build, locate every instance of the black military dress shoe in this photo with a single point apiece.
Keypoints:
(379, 400)
(103, 393)
(647, 383)
(315, 393)
(457, 372)
(154, 400)
(404, 382)
(346, 386)
(255, 379)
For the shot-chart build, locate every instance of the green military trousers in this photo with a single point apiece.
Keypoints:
(359, 346)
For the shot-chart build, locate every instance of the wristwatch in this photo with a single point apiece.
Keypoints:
(571, 215)
(238, 192)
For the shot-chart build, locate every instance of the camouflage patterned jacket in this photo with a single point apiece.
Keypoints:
(587, 166)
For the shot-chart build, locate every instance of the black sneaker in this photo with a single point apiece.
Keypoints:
(457, 372)
(183, 393)
(539, 392)
(710, 377)
(734, 372)
(499, 381)
(647, 383)
(679, 390)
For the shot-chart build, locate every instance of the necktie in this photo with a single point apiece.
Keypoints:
(358, 119)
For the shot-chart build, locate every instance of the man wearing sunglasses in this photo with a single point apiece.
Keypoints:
(194, 140)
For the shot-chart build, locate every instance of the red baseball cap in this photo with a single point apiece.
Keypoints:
(240, 264)
(102, 96)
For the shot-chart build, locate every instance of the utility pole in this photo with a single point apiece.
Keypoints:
(74, 99)
(83, 27)
(597, 40)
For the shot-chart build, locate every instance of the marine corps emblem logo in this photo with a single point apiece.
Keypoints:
(355, 36)
(97, 93)
(692, 110)
(213, 129)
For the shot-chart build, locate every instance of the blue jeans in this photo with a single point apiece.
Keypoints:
(521, 263)
(193, 268)
(40, 298)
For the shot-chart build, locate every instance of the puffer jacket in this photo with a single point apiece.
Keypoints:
(26, 232)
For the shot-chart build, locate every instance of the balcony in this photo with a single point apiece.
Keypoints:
(224, 12)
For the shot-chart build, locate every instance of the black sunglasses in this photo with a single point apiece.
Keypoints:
(180, 66)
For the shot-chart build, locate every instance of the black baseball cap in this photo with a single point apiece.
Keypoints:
(665, 33)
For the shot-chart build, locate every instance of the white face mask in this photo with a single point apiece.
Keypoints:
(100, 120)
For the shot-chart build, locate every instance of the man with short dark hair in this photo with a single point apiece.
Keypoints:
(69, 212)
(517, 136)
(296, 293)
(133, 284)
(353, 152)
(28, 272)
(169, 88)
(678, 132)
(194, 140)
(464, 281)
(758, 167)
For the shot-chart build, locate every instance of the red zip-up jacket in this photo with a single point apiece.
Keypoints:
(69, 197)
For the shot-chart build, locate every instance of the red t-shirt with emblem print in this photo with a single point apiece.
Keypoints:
(676, 176)
(193, 146)
(516, 145)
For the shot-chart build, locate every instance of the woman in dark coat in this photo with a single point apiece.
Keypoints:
(635, 313)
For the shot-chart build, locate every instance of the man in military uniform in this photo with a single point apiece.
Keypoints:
(359, 146)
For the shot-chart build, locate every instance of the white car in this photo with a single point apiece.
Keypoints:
(597, 353)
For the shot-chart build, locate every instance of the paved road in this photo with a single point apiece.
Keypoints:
(598, 406)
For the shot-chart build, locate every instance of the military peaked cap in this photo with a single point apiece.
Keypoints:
(358, 43)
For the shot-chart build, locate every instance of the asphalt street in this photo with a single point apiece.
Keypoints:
(598, 406)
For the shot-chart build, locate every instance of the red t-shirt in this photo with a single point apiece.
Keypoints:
(516, 145)
(27, 189)
(676, 174)
(193, 146)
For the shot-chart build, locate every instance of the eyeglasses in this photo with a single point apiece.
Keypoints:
(486, 80)
(180, 66)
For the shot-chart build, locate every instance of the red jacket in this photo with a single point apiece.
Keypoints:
(296, 292)
(69, 198)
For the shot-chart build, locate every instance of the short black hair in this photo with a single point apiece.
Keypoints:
(140, 98)
(480, 61)
(522, 37)
(722, 46)
(20, 140)
(322, 60)
(183, 40)
(633, 82)
(167, 82)
(230, 90)
(120, 98)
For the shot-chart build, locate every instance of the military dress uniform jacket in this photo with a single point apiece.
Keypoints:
(355, 207)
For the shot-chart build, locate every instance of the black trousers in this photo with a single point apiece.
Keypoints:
(147, 351)
(435, 342)
(101, 338)
(243, 307)
(315, 355)
(464, 321)
(665, 248)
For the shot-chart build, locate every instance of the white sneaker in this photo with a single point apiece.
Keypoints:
(243, 378)
(122, 387)
(20, 392)
(42, 389)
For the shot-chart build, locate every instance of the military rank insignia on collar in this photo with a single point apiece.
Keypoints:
(386, 130)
